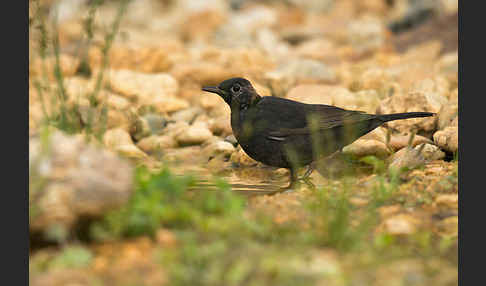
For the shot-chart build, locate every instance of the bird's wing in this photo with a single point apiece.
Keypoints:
(290, 118)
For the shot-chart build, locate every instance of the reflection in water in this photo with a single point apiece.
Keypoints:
(249, 181)
(263, 180)
(247, 188)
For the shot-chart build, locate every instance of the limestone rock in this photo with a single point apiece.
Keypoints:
(219, 147)
(220, 125)
(147, 125)
(431, 152)
(400, 141)
(297, 71)
(241, 158)
(367, 147)
(366, 34)
(175, 128)
(407, 157)
(194, 135)
(141, 86)
(78, 179)
(448, 112)
(338, 96)
(188, 115)
(154, 143)
(410, 102)
(120, 141)
(146, 59)
(448, 139)
(201, 73)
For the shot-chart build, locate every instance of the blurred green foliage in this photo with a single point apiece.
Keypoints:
(221, 243)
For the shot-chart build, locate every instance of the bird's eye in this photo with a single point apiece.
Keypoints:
(235, 88)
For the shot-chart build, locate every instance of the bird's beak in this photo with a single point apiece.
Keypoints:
(214, 89)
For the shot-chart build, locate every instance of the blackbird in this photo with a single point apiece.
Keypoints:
(288, 134)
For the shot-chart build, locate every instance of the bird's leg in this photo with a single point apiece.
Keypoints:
(293, 183)
(309, 171)
(293, 179)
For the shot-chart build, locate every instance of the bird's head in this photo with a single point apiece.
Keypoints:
(236, 92)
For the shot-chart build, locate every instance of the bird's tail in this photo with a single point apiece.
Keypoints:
(405, 115)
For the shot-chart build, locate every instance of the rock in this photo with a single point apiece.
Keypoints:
(409, 102)
(296, 71)
(217, 148)
(188, 154)
(139, 129)
(219, 164)
(117, 119)
(400, 141)
(447, 139)
(366, 34)
(116, 137)
(241, 158)
(431, 152)
(188, 115)
(220, 126)
(191, 6)
(366, 101)
(156, 122)
(164, 104)
(145, 88)
(175, 128)
(147, 125)
(231, 139)
(406, 158)
(200, 25)
(401, 224)
(313, 5)
(366, 147)
(78, 179)
(145, 59)
(448, 63)
(438, 86)
(448, 112)
(449, 201)
(238, 31)
(155, 143)
(120, 141)
(261, 89)
(201, 73)
(378, 134)
(316, 93)
(210, 102)
(426, 52)
(194, 135)
(270, 42)
(117, 102)
(375, 78)
(318, 49)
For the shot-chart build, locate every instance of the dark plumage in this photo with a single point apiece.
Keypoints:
(289, 134)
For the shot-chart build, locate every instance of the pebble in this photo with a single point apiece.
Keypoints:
(366, 147)
(194, 135)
